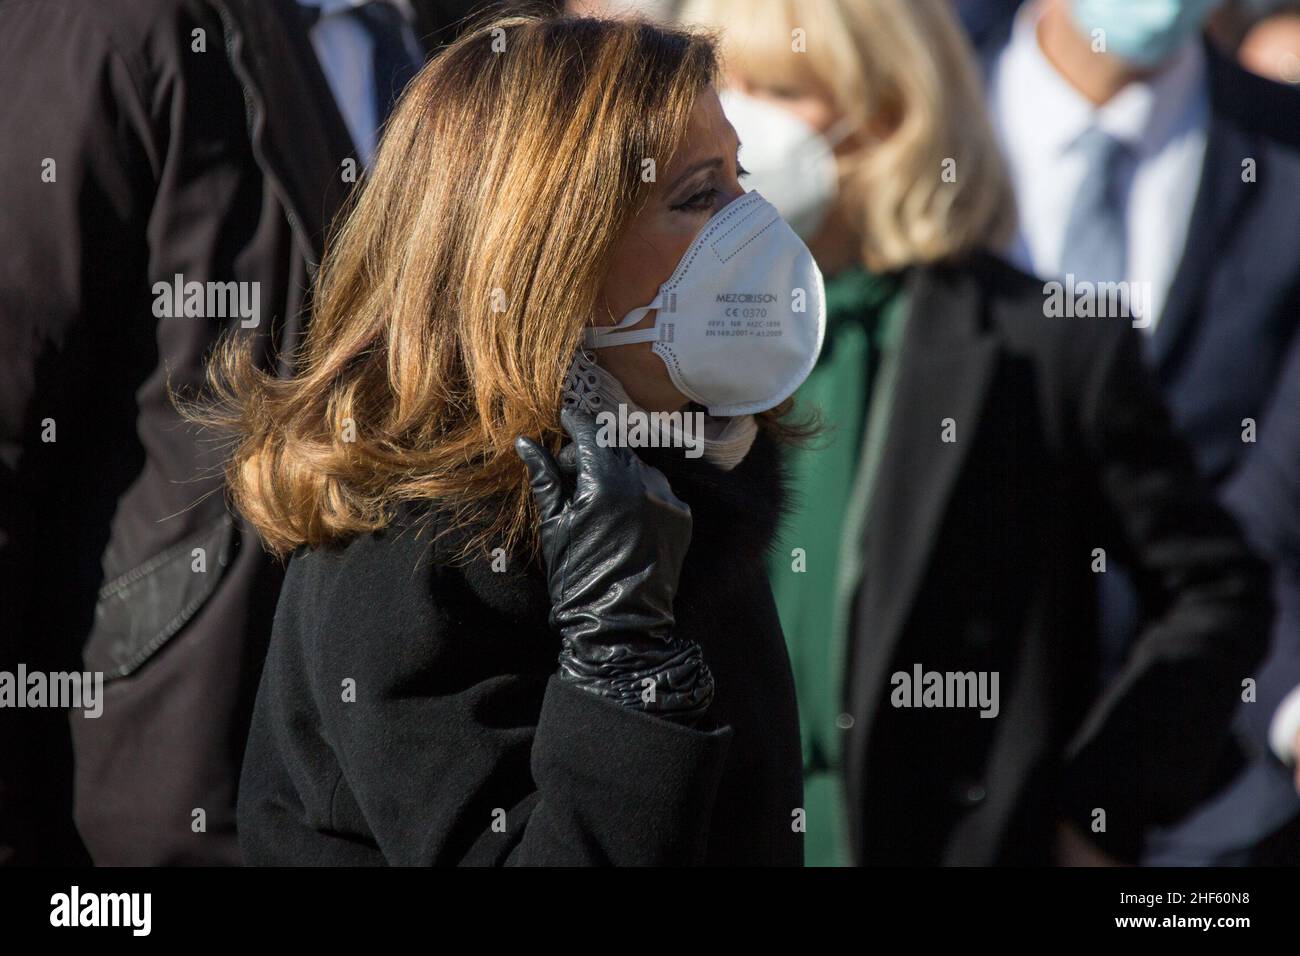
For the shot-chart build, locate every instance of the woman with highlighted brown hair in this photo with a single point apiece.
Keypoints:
(573, 658)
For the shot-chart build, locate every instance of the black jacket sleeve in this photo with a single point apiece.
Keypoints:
(445, 758)
(1146, 748)
(1264, 495)
(124, 163)
(73, 190)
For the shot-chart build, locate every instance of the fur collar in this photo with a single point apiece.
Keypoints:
(735, 518)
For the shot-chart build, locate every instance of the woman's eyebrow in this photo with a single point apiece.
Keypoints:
(715, 163)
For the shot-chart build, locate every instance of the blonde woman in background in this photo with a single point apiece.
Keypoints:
(936, 579)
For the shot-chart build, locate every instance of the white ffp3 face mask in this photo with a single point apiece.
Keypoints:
(786, 159)
(740, 321)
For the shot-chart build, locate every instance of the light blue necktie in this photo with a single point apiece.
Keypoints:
(394, 64)
(1096, 250)
(1096, 235)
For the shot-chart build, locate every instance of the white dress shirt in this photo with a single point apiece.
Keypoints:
(1163, 120)
(1284, 727)
(343, 47)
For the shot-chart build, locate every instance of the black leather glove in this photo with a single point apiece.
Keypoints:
(613, 552)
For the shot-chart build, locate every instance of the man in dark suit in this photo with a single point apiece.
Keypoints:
(152, 146)
(1143, 157)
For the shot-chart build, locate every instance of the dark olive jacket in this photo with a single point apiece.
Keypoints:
(141, 140)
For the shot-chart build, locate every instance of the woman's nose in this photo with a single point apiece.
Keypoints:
(730, 192)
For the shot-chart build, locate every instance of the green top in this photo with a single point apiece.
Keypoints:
(818, 565)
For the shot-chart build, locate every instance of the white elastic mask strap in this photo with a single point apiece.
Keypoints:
(606, 336)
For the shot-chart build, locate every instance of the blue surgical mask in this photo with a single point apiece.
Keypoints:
(1143, 32)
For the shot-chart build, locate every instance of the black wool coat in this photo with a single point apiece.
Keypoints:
(409, 713)
(981, 558)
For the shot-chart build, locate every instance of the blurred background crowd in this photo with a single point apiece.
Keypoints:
(218, 140)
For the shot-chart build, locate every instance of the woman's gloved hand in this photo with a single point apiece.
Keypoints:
(613, 551)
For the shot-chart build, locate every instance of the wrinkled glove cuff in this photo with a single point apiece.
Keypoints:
(669, 679)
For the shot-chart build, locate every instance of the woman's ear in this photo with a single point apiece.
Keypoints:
(883, 124)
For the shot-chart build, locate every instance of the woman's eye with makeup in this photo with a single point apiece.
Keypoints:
(704, 199)
(783, 92)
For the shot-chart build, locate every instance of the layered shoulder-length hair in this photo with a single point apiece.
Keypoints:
(933, 184)
(450, 302)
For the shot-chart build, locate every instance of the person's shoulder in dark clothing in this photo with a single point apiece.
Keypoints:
(1023, 311)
